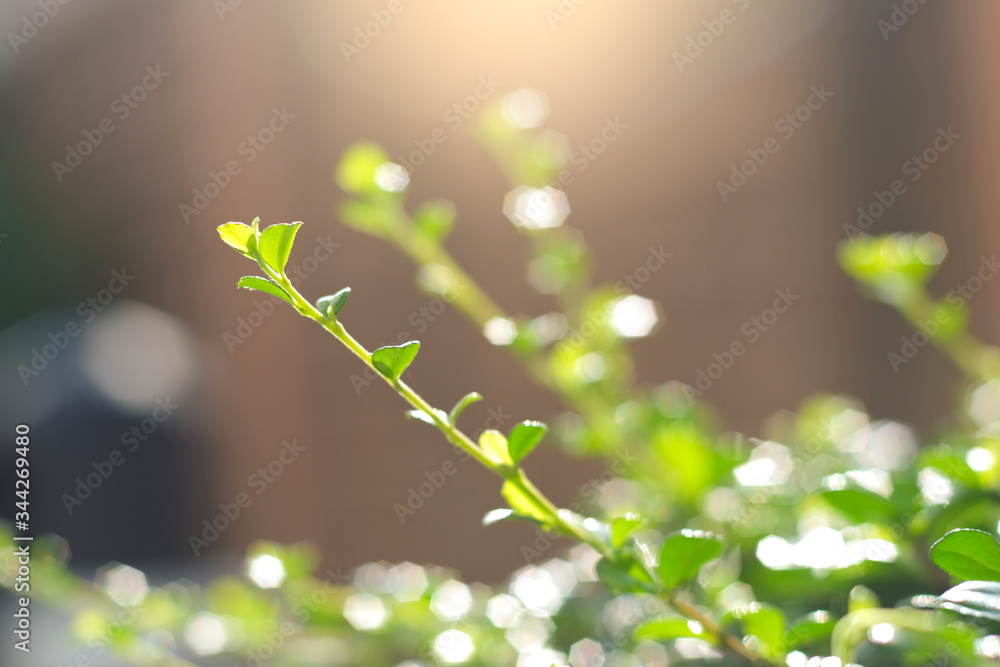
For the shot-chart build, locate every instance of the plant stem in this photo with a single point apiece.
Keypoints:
(967, 352)
(731, 642)
(510, 474)
(480, 308)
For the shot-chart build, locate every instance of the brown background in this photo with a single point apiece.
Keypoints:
(655, 185)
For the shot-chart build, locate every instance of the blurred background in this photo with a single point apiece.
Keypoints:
(120, 306)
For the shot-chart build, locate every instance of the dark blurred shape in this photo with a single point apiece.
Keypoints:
(115, 464)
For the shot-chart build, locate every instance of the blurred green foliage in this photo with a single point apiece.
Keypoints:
(832, 539)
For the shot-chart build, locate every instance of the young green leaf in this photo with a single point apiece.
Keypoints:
(462, 404)
(815, 627)
(625, 574)
(331, 305)
(424, 417)
(893, 265)
(766, 623)
(663, 629)
(493, 516)
(392, 360)
(435, 219)
(862, 506)
(522, 504)
(262, 285)
(861, 598)
(622, 527)
(253, 242)
(968, 554)
(356, 171)
(276, 244)
(497, 515)
(494, 445)
(523, 438)
(684, 553)
(978, 599)
(236, 234)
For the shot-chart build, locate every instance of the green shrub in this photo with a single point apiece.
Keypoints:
(832, 540)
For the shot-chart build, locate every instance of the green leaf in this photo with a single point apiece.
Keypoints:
(622, 527)
(767, 624)
(892, 265)
(684, 553)
(332, 304)
(862, 506)
(503, 514)
(523, 438)
(254, 241)
(663, 629)
(262, 285)
(692, 465)
(424, 417)
(968, 554)
(950, 461)
(276, 244)
(236, 234)
(817, 626)
(979, 599)
(356, 171)
(462, 404)
(493, 516)
(624, 574)
(522, 504)
(435, 219)
(392, 360)
(862, 598)
(494, 445)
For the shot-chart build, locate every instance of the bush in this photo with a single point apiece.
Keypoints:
(833, 540)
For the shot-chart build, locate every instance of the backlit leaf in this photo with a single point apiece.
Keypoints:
(392, 360)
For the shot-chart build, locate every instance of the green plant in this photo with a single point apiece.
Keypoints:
(832, 536)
